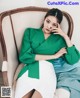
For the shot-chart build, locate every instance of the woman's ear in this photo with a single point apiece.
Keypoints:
(42, 25)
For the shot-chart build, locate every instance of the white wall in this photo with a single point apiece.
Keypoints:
(73, 10)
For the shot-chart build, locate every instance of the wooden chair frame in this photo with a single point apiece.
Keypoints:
(18, 10)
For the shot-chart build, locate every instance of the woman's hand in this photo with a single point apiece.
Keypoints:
(59, 31)
(60, 53)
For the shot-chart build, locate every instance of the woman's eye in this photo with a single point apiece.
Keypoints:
(55, 25)
(47, 21)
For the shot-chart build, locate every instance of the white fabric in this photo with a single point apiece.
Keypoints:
(4, 66)
(46, 85)
(10, 48)
(62, 93)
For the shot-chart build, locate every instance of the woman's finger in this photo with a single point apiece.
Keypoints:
(55, 30)
(58, 25)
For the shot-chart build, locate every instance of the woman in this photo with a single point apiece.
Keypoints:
(42, 51)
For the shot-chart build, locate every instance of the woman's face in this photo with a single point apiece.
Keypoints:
(50, 23)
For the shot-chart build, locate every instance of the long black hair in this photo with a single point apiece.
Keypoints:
(56, 13)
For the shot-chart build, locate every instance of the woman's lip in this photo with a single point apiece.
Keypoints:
(48, 30)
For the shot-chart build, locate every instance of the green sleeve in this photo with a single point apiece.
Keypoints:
(26, 55)
(72, 55)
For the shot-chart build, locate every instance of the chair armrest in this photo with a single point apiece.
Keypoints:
(4, 73)
(4, 66)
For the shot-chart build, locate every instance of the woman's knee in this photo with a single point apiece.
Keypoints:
(28, 95)
(36, 95)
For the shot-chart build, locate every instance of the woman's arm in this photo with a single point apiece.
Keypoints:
(48, 57)
(72, 56)
(26, 55)
(67, 40)
(64, 35)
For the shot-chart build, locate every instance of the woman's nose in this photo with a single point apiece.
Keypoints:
(50, 26)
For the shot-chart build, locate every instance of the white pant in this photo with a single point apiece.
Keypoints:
(62, 93)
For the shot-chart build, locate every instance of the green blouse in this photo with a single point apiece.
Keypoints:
(34, 43)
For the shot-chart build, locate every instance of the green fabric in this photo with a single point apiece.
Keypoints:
(72, 56)
(32, 70)
(34, 42)
(22, 71)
